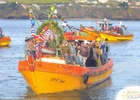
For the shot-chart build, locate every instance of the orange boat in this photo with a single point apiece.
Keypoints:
(84, 34)
(5, 41)
(51, 74)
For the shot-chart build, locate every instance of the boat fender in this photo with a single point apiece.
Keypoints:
(86, 76)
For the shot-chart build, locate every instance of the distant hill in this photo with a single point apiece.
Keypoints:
(39, 1)
(135, 0)
(74, 11)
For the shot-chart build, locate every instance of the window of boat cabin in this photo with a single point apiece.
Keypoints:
(109, 25)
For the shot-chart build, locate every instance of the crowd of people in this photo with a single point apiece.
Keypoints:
(89, 54)
(108, 27)
(84, 53)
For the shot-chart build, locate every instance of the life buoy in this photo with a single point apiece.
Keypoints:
(86, 76)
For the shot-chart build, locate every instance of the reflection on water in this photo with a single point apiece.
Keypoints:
(94, 93)
(126, 70)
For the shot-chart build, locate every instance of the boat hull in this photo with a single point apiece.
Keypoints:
(52, 77)
(89, 36)
(5, 41)
(111, 36)
(116, 37)
(90, 32)
(80, 38)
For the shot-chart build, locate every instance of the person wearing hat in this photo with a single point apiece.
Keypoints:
(74, 54)
(26, 47)
(107, 49)
(92, 59)
(97, 46)
(32, 47)
(66, 52)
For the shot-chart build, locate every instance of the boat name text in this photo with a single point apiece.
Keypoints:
(57, 80)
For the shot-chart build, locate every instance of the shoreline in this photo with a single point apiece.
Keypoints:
(94, 19)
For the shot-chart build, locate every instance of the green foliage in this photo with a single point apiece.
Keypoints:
(39, 1)
(124, 5)
(53, 25)
(14, 6)
(3, 6)
(130, 11)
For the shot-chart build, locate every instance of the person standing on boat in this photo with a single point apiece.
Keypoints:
(107, 49)
(115, 29)
(32, 48)
(26, 47)
(92, 59)
(105, 27)
(97, 44)
(120, 23)
(102, 48)
(66, 52)
(1, 33)
(84, 53)
(73, 49)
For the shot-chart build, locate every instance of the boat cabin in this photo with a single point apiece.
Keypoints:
(104, 26)
(108, 27)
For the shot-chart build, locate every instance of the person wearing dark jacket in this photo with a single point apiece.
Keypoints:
(92, 59)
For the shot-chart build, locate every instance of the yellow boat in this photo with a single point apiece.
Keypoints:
(109, 35)
(106, 29)
(5, 41)
(116, 37)
(114, 33)
(51, 75)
